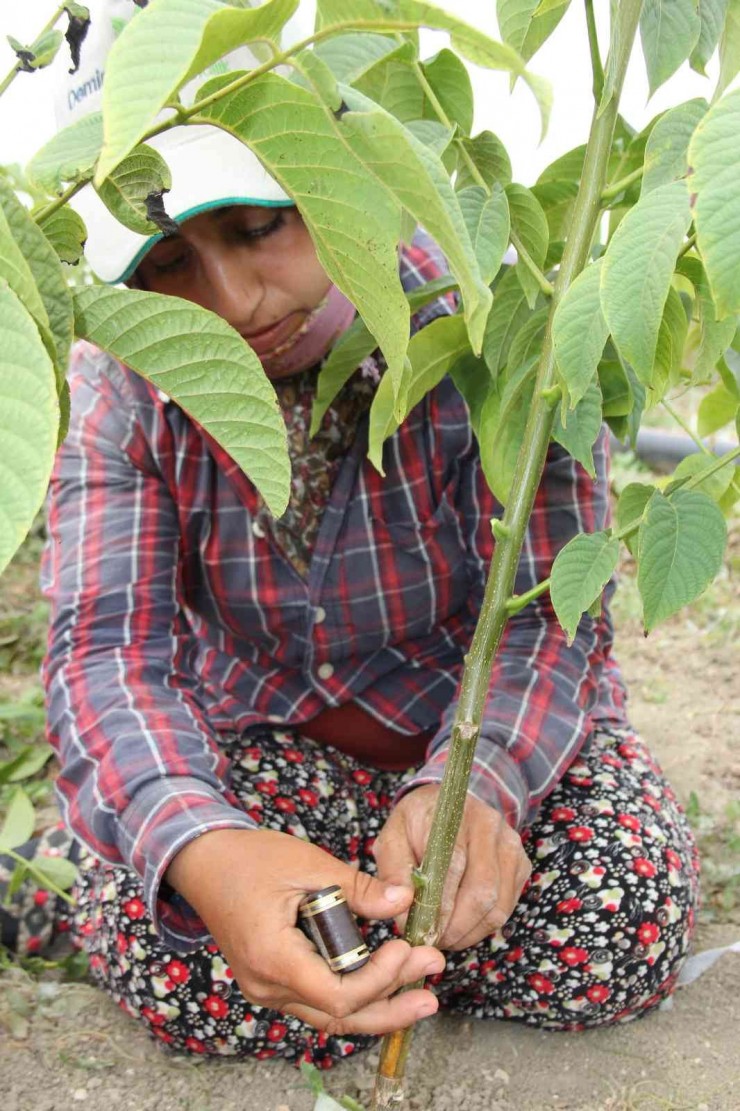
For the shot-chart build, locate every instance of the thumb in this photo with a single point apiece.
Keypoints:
(373, 898)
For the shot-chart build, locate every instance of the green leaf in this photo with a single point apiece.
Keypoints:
(432, 134)
(41, 53)
(556, 199)
(314, 71)
(48, 275)
(712, 14)
(579, 434)
(615, 389)
(70, 156)
(30, 760)
(630, 508)
(350, 56)
(529, 222)
(58, 871)
(668, 144)
(450, 80)
(527, 343)
(419, 182)
(508, 313)
(432, 353)
(503, 417)
(568, 167)
(473, 382)
(393, 84)
(351, 216)
(669, 30)
(680, 549)
(580, 572)
(19, 821)
(466, 40)
(489, 156)
(729, 48)
(579, 332)
(716, 181)
(487, 220)
(637, 270)
(199, 361)
(527, 24)
(716, 335)
(66, 231)
(142, 174)
(29, 422)
(715, 486)
(670, 347)
(17, 273)
(141, 77)
(717, 408)
(356, 344)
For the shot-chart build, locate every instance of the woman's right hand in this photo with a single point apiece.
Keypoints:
(246, 886)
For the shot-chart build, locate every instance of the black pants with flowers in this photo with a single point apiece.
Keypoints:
(598, 936)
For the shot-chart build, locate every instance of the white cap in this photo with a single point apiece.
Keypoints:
(209, 167)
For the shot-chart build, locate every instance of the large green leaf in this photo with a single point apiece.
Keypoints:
(199, 361)
(394, 85)
(717, 408)
(70, 155)
(716, 335)
(17, 273)
(418, 181)
(579, 432)
(141, 76)
(473, 382)
(353, 219)
(450, 80)
(715, 486)
(580, 572)
(729, 48)
(527, 24)
(668, 144)
(712, 14)
(47, 274)
(503, 418)
(487, 220)
(350, 56)
(508, 313)
(489, 156)
(19, 823)
(432, 353)
(527, 343)
(637, 270)
(669, 30)
(29, 422)
(579, 332)
(669, 349)
(380, 15)
(680, 548)
(714, 157)
(556, 199)
(618, 400)
(141, 175)
(66, 231)
(630, 508)
(529, 222)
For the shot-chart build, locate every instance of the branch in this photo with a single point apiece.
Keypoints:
(618, 187)
(11, 76)
(593, 42)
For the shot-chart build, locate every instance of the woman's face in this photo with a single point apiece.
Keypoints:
(254, 266)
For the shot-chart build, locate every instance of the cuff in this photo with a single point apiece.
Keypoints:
(495, 778)
(160, 820)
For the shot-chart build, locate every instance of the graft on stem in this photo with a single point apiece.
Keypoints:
(502, 572)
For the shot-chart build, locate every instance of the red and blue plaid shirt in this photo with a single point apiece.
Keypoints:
(175, 619)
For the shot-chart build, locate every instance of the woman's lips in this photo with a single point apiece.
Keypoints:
(265, 340)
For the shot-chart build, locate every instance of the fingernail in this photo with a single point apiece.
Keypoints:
(395, 894)
(433, 969)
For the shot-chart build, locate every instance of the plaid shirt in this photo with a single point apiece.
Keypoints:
(176, 620)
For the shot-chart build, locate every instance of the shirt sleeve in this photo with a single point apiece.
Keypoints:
(141, 773)
(537, 713)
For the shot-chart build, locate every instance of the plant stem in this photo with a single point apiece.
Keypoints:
(682, 423)
(423, 921)
(618, 187)
(39, 876)
(690, 242)
(11, 76)
(59, 201)
(593, 42)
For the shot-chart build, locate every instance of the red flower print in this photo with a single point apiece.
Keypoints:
(654, 804)
(216, 1006)
(563, 814)
(255, 813)
(644, 867)
(573, 955)
(277, 1032)
(152, 1016)
(514, 954)
(163, 1036)
(121, 943)
(580, 833)
(627, 821)
(178, 972)
(211, 948)
(598, 993)
(309, 797)
(673, 860)
(267, 787)
(253, 753)
(33, 944)
(195, 1045)
(372, 800)
(568, 906)
(286, 805)
(648, 933)
(293, 756)
(361, 776)
(134, 908)
(541, 984)
(263, 1053)
(40, 898)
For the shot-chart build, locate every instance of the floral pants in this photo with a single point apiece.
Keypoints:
(598, 936)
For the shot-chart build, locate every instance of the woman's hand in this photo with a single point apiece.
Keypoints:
(487, 872)
(246, 886)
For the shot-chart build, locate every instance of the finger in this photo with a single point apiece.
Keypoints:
(489, 892)
(396, 861)
(382, 1017)
(459, 865)
(370, 897)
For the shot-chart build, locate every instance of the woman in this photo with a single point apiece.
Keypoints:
(249, 709)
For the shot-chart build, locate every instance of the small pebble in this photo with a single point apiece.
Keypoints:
(80, 1095)
(502, 1075)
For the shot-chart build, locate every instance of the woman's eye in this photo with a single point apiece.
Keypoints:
(170, 265)
(276, 221)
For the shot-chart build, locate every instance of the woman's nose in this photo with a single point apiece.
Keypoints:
(235, 288)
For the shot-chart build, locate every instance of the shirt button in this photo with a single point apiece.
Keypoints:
(325, 671)
(320, 615)
(257, 529)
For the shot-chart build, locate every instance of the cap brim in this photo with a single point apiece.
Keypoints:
(209, 168)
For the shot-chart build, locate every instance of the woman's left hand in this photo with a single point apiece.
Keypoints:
(488, 870)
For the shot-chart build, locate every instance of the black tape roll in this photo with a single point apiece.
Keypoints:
(327, 921)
